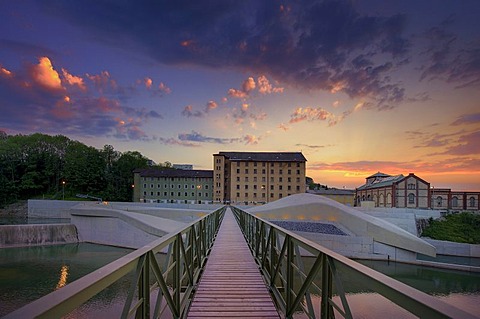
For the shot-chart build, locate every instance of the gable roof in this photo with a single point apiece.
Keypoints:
(264, 156)
(382, 182)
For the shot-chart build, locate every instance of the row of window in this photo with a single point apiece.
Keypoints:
(177, 179)
(179, 194)
(272, 187)
(264, 179)
(455, 202)
(179, 186)
(272, 195)
(264, 171)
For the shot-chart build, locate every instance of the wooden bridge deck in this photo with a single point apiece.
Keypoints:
(231, 285)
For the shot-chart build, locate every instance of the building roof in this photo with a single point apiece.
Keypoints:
(382, 182)
(379, 174)
(332, 191)
(152, 172)
(264, 156)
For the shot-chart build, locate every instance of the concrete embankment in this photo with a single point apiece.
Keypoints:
(28, 235)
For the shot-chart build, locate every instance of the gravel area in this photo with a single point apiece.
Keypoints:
(310, 227)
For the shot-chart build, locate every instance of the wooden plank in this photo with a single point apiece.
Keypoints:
(231, 285)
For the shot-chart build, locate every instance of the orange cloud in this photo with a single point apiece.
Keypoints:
(283, 126)
(264, 86)
(44, 74)
(211, 105)
(5, 72)
(248, 85)
(74, 80)
(237, 94)
(313, 114)
(148, 82)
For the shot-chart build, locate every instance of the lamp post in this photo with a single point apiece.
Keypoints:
(63, 190)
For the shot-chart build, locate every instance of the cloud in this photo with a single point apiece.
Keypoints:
(40, 99)
(236, 94)
(264, 86)
(312, 146)
(313, 114)
(188, 112)
(173, 141)
(251, 139)
(248, 85)
(45, 75)
(197, 137)
(449, 59)
(73, 80)
(283, 126)
(211, 105)
(466, 119)
(468, 144)
(312, 44)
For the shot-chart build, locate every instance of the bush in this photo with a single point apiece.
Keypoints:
(460, 228)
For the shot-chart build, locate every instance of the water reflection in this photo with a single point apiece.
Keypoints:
(62, 281)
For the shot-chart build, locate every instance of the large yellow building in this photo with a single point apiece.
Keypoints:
(257, 177)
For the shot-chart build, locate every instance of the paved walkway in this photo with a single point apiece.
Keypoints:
(231, 285)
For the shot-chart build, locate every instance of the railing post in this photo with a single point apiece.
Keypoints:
(144, 291)
(326, 309)
(289, 269)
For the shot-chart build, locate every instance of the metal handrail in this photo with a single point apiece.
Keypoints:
(278, 253)
(188, 250)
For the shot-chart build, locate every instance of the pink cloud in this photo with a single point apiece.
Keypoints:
(250, 139)
(264, 86)
(188, 112)
(163, 88)
(103, 81)
(315, 114)
(248, 85)
(148, 82)
(211, 105)
(73, 80)
(237, 94)
(283, 126)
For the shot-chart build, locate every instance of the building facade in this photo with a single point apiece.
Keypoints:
(257, 177)
(383, 190)
(445, 198)
(394, 191)
(172, 186)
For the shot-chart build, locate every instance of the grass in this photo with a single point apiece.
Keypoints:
(461, 228)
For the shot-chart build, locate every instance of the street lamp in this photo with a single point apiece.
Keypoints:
(63, 190)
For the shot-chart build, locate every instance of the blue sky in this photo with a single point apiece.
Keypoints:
(357, 86)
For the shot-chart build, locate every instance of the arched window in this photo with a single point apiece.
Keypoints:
(411, 198)
(454, 201)
(368, 197)
(471, 202)
(363, 198)
(439, 201)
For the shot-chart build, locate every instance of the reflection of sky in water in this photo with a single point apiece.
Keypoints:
(29, 273)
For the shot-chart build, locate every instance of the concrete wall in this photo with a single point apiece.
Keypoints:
(455, 249)
(33, 235)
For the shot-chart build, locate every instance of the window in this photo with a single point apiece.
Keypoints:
(159, 186)
(238, 194)
(246, 186)
(255, 178)
(280, 179)
(246, 170)
(411, 186)
(206, 186)
(238, 163)
(411, 198)
(289, 179)
(254, 195)
(439, 201)
(263, 171)
(280, 187)
(165, 194)
(263, 179)
(179, 186)
(179, 194)
(280, 171)
(151, 193)
(272, 187)
(298, 172)
(193, 186)
(145, 193)
(272, 179)
(158, 193)
(246, 164)
(238, 178)
(255, 164)
(246, 195)
(271, 195)
(238, 170)
(144, 185)
(298, 164)
(289, 187)
(471, 201)
(246, 178)
(171, 194)
(280, 195)
(186, 194)
(255, 186)
(254, 171)
(289, 172)
(298, 188)
(238, 186)
(289, 164)
(454, 201)
(272, 171)
(263, 195)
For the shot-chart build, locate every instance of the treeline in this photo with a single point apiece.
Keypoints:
(56, 167)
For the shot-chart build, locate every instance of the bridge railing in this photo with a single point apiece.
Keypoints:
(297, 286)
(173, 280)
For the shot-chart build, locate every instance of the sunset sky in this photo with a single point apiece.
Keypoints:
(357, 86)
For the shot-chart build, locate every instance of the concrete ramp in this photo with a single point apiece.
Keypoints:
(320, 208)
(100, 224)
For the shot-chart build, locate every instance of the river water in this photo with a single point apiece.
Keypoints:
(28, 273)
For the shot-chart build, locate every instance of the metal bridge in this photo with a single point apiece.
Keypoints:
(200, 279)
